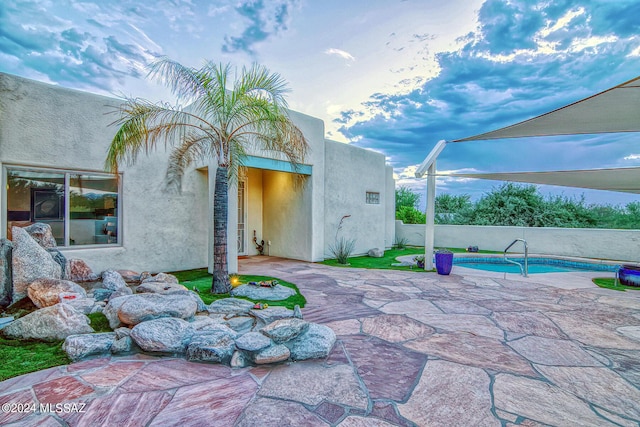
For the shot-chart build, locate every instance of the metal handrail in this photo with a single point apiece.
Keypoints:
(524, 271)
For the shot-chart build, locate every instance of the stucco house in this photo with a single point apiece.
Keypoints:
(53, 144)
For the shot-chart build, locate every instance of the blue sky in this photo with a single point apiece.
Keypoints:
(392, 76)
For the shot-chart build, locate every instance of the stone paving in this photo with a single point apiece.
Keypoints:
(413, 349)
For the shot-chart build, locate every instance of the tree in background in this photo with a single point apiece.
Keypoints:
(451, 209)
(407, 206)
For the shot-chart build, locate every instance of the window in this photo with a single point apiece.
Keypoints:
(373, 198)
(81, 208)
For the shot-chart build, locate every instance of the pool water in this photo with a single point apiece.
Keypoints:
(536, 265)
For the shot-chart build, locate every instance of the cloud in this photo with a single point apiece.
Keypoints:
(341, 53)
(265, 20)
(632, 157)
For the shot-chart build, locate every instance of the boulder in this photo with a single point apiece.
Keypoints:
(144, 275)
(29, 262)
(46, 292)
(111, 311)
(80, 346)
(205, 324)
(253, 342)
(297, 313)
(161, 277)
(78, 271)
(112, 280)
(159, 287)
(129, 276)
(6, 283)
(121, 292)
(230, 307)
(41, 233)
(83, 305)
(241, 324)
(142, 307)
(259, 293)
(316, 342)
(211, 346)
(166, 335)
(285, 329)
(60, 259)
(273, 354)
(202, 307)
(122, 345)
(270, 315)
(376, 253)
(239, 360)
(53, 323)
(102, 294)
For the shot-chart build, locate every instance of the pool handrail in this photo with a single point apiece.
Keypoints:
(524, 271)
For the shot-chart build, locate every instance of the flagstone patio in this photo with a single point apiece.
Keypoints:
(413, 349)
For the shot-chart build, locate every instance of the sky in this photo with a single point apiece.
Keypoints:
(394, 76)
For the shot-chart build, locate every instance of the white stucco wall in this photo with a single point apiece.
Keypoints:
(390, 208)
(53, 127)
(351, 173)
(623, 245)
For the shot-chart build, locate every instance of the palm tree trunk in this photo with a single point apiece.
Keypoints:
(221, 284)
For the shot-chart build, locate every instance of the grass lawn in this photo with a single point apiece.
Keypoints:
(610, 283)
(389, 258)
(200, 279)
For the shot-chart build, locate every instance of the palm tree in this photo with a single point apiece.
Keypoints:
(219, 121)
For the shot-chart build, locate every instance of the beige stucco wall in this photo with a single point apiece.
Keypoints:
(53, 127)
(623, 245)
(351, 173)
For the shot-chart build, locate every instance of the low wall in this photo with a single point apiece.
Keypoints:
(623, 245)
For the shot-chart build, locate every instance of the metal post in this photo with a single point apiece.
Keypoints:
(430, 213)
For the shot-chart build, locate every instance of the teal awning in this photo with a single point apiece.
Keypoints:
(275, 165)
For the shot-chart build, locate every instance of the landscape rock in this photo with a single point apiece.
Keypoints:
(207, 324)
(241, 324)
(56, 322)
(129, 276)
(316, 342)
(83, 305)
(6, 277)
(285, 329)
(111, 311)
(230, 307)
(42, 234)
(375, 253)
(29, 262)
(297, 313)
(122, 332)
(167, 335)
(253, 342)
(80, 346)
(46, 292)
(122, 345)
(142, 307)
(273, 354)
(102, 294)
(159, 287)
(270, 315)
(121, 292)
(161, 277)
(60, 259)
(259, 293)
(112, 280)
(239, 360)
(144, 275)
(78, 271)
(211, 346)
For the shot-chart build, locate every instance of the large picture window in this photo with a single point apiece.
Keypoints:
(81, 208)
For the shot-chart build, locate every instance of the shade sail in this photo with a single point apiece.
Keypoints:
(625, 180)
(614, 110)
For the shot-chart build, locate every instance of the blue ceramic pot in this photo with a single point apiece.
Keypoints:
(629, 275)
(444, 263)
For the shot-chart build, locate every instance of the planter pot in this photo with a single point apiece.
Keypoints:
(629, 275)
(444, 263)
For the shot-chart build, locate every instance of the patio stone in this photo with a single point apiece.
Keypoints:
(632, 332)
(19, 397)
(459, 306)
(395, 328)
(409, 307)
(547, 351)
(330, 412)
(625, 363)
(597, 385)
(387, 411)
(442, 397)
(539, 401)
(269, 412)
(356, 421)
(592, 334)
(111, 374)
(528, 323)
(60, 390)
(474, 324)
(337, 384)
(345, 327)
(473, 350)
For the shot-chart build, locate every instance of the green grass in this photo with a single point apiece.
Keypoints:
(200, 279)
(99, 322)
(610, 283)
(21, 357)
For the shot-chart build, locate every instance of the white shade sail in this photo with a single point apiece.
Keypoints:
(614, 110)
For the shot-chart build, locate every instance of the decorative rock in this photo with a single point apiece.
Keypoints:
(111, 311)
(241, 324)
(252, 342)
(129, 276)
(142, 307)
(42, 234)
(159, 287)
(80, 346)
(145, 275)
(98, 307)
(277, 293)
(297, 313)
(83, 305)
(285, 329)
(122, 332)
(230, 307)
(60, 259)
(49, 324)
(239, 360)
(211, 347)
(4, 321)
(211, 325)
(161, 277)
(169, 335)
(6, 284)
(121, 292)
(375, 253)
(316, 342)
(270, 315)
(101, 294)
(122, 345)
(78, 271)
(273, 354)
(112, 280)
(30, 262)
(46, 292)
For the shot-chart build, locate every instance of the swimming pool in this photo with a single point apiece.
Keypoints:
(536, 265)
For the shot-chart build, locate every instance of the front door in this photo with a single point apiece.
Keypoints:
(242, 218)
